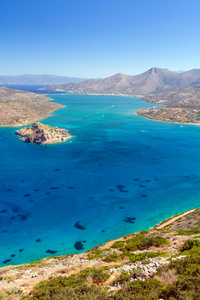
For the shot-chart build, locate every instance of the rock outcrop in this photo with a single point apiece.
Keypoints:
(42, 134)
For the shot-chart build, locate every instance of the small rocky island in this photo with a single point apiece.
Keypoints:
(42, 134)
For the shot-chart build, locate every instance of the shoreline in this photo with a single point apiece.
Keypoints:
(163, 121)
(26, 276)
(35, 120)
(173, 218)
(140, 97)
(160, 225)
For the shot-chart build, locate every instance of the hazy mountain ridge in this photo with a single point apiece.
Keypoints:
(155, 80)
(38, 79)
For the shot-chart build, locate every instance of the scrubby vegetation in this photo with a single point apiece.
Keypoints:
(141, 242)
(72, 287)
(22, 108)
(125, 248)
(150, 265)
(189, 244)
(195, 230)
(182, 279)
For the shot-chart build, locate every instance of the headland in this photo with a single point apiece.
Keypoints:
(21, 108)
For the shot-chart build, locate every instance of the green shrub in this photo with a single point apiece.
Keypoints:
(123, 277)
(59, 287)
(189, 244)
(157, 241)
(96, 253)
(99, 276)
(113, 257)
(141, 242)
(118, 244)
(141, 256)
(82, 292)
(187, 288)
(140, 290)
(192, 231)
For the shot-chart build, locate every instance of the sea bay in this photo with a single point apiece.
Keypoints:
(120, 173)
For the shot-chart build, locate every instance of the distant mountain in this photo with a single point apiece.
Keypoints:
(38, 79)
(180, 71)
(155, 80)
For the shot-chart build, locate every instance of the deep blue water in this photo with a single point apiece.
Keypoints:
(117, 167)
(30, 88)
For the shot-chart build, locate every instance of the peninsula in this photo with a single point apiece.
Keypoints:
(20, 108)
(42, 134)
(178, 106)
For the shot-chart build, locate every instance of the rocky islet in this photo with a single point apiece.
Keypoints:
(42, 134)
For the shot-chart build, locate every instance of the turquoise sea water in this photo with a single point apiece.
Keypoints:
(120, 173)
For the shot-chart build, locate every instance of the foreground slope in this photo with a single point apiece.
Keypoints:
(19, 108)
(162, 263)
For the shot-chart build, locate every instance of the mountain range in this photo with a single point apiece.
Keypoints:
(37, 79)
(153, 81)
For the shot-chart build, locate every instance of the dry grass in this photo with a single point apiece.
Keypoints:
(62, 271)
(167, 277)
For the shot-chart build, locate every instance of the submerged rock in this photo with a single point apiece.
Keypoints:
(42, 134)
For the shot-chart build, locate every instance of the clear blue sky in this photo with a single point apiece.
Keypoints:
(98, 38)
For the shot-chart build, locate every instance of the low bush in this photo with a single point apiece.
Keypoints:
(113, 257)
(99, 276)
(189, 244)
(93, 254)
(118, 244)
(192, 231)
(142, 242)
(81, 292)
(141, 256)
(123, 277)
(138, 290)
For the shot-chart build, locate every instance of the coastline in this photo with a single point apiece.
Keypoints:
(24, 277)
(130, 96)
(21, 108)
(35, 119)
(157, 226)
(171, 219)
(82, 254)
(176, 123)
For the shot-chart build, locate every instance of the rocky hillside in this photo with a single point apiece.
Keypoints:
(162, 263)
(155, 80)
(181, 106)
(42, 134)
(187, 97)
(19, 108)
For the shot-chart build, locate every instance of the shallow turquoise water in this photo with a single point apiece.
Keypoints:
(116, 166)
